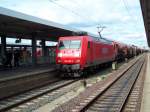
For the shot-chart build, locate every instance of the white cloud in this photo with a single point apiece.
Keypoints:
(87, 15)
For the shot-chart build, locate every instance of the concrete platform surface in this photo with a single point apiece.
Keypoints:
(145, 107)
(24, 71)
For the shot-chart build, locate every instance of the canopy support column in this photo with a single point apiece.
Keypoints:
(34, 56)
(3, 47)
(44, 53)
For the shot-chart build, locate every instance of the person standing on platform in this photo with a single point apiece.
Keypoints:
(24, 55)
(9, 57)
(16, 58)
(28, 57)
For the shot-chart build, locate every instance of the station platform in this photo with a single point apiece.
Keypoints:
(16, 72)
(145, 106)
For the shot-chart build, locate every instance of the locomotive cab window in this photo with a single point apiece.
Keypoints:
(88, 44)
(75, 44)
(69, 44)
(63, 44)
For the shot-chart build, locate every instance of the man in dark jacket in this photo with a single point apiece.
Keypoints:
(16, 58)
(9, 57)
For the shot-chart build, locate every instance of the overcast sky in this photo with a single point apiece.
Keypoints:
(122, 18)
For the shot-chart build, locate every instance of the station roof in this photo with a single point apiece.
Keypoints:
(16, 24)
(145, 5)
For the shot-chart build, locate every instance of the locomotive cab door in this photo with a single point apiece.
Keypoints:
(90, 53)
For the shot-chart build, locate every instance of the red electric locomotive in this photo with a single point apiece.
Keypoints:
(75, 54)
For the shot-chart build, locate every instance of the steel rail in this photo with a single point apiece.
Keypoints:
(93, 100)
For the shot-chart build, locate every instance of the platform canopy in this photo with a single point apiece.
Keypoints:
(145, 5)
(16, 24)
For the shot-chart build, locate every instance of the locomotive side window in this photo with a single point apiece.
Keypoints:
(69, 44)
(88, 44)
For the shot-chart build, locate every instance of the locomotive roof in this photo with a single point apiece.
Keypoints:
(104, 40)
(101, 39)
(95, 37)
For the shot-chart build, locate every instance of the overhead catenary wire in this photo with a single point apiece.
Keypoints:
(68, 9)
(77, 4)
(87, 18)
(125, 4)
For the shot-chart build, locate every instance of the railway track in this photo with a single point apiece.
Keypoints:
(47, 92)
(18, 90)
(14, 85)
(29, 100)
(133, 103)
(14, 101)
(114, 97)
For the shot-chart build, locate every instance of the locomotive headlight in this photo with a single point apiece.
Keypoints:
(77, 61)
(77, 55)
(59, 54)
(59, 61)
